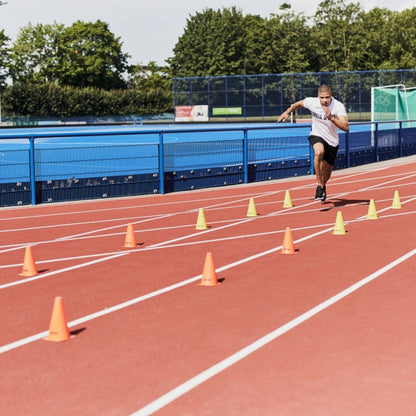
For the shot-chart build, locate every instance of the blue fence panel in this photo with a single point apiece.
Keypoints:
(272, 155)
(15, 187)
(200, 159)
(408, 139)
(43, 165)
(361, 149)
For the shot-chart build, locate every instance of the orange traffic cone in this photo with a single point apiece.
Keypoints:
(130, 241)
(29, 266)
(288, 247)
(58, 328)
(209, 276)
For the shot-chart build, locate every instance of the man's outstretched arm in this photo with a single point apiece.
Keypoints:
(285, 115)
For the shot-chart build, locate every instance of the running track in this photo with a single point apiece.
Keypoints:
(329, 330)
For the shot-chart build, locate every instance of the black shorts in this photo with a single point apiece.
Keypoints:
(330, 152)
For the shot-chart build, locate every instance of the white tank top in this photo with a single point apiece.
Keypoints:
(321, 126)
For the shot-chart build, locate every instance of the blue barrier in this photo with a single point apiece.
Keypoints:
(40, 165)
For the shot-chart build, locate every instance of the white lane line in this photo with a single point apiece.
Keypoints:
(388, 183)
(163, 245)
(86, 256)
(150, 295)
(210, 372)
(39, 336)
(43, 275)
(158, 217)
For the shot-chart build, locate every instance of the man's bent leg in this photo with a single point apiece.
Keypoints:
(326, 172)
(318, 163)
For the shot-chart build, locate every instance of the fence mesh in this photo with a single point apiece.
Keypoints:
(268, 95)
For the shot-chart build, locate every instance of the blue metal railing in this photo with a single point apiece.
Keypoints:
(85, 163)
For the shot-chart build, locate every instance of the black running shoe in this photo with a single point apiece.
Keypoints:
(318, 193)
(323, 198)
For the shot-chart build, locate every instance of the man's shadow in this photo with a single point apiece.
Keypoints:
(336, 203)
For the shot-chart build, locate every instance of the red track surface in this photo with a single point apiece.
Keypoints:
(281, 334)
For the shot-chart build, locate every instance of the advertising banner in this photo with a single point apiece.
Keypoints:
(192, 113)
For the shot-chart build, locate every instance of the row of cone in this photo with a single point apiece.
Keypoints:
(201, 223)
(252, 212)
(339, 228)
(209, 277)
(58, 326)
(29, 265)
(30, 269)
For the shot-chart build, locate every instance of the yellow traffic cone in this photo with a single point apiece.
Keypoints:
(396, 201)
(287, 203)
(339, 228)
(372, 212)
(201, 223)
(251, 211)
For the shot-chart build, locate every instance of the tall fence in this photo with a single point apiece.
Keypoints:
(50, 165)
(266, 96)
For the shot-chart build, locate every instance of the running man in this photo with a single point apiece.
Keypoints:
(328, 115)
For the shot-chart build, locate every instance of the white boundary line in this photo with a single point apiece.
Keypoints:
(43, 275)
(166, 244)
(208, 241)
(163, 290)
(134, 198)
(150, 295)
(210, 372)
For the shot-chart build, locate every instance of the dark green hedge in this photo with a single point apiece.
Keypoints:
(51, 100)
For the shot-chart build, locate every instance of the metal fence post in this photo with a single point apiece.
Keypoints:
(311, 156)
(400, 139)
(245, 156)
(347, 147)
(32, 170)
(161, 163)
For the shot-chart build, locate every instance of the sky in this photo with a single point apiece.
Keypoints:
(148, 29)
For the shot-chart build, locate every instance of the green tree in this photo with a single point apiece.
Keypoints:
(90, 56)
(150, 77)
(4, 58)
(287, 46)
(256, 37)
(81, 55)
(402, 36)
(336, 35)
(33, 56)
(375, 45)
(224, 42)
(212, 44)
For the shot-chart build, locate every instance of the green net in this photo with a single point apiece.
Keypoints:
(411, 100)
(393, 103)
